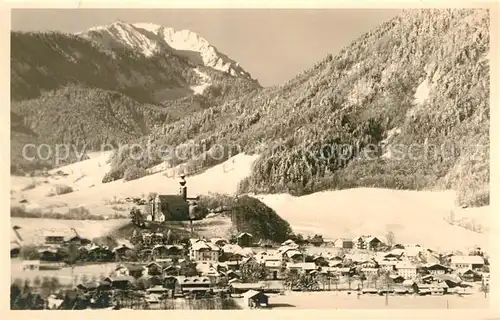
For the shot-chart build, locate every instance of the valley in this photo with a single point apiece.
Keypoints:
(366, 171)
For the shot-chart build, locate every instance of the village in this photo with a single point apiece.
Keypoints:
(153, 270)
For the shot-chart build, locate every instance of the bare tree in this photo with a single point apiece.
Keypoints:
(390, 237)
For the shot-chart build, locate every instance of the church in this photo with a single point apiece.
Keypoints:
(171, 207)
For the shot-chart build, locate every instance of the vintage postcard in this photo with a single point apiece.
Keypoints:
(250, 159)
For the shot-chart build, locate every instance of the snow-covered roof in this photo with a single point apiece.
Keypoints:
(467, 259)
(201, 245)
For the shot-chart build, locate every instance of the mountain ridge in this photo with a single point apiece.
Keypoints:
(366, 96)
(47, 68)
(132, 35)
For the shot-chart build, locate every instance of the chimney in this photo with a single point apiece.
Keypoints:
(183, 189)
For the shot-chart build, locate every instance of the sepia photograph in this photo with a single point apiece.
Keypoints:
(250, 159)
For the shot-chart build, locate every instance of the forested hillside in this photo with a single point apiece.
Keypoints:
(419, 79)
(69, 89)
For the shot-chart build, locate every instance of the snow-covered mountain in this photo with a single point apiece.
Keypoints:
(151, 39)
(129, 79)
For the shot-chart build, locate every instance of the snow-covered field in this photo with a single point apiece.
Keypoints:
(32, 229)
(345, 213)
(348, 213)
(65, 275)
(342, 300)
(100, 198)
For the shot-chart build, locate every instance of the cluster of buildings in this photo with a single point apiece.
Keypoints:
(158, 269)
(215, 266)
(53, 252)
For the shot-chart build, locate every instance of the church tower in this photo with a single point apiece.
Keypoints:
(183, 188)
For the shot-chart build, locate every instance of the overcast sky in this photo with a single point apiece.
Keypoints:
(272, 44)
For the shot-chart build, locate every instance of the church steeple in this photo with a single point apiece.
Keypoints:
(183, 188)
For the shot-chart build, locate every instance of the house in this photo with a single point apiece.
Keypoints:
(410, 285)
(470, 262)
(320, 261)
(204, 251)
(157, 289)
(121, 282)
(255, 299)
(249, 261)
(211, 273)
(15, 249)
(347, 271)
(274, 269)
(268, 255)
(303, 267)
(31, 265)
(167, 251)
(238, 287)
(406, 270)
(231, 275)
(121, 251)
(154, 269)
(171, 270)
(293, 255)
(423, 289)
(367, 242)
(194, 284)
(98, 253)
(317, 240)
(54, 237)
(49, 254)
(272, 286)
(397, 246)
(207, 270)
(244, 239)
(153, 280)
(172, 283)
(133, 270)
(357, 257)
(368, 264)
(369, 272)
(343, 243)
(232, 265)
(220, 242)
(397, 278)
(469, 275)
(290, 243)
(387, 265)
(395, 253)
(436, 268)
(451, 281)
(334, 263)
(412, 246)
(92, 286)
(232, 249)
(247, 252)
(159, 252)
(438, 288)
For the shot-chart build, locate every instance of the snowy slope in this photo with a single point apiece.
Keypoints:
(343, 213)
(185, 40)
(125, 35)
